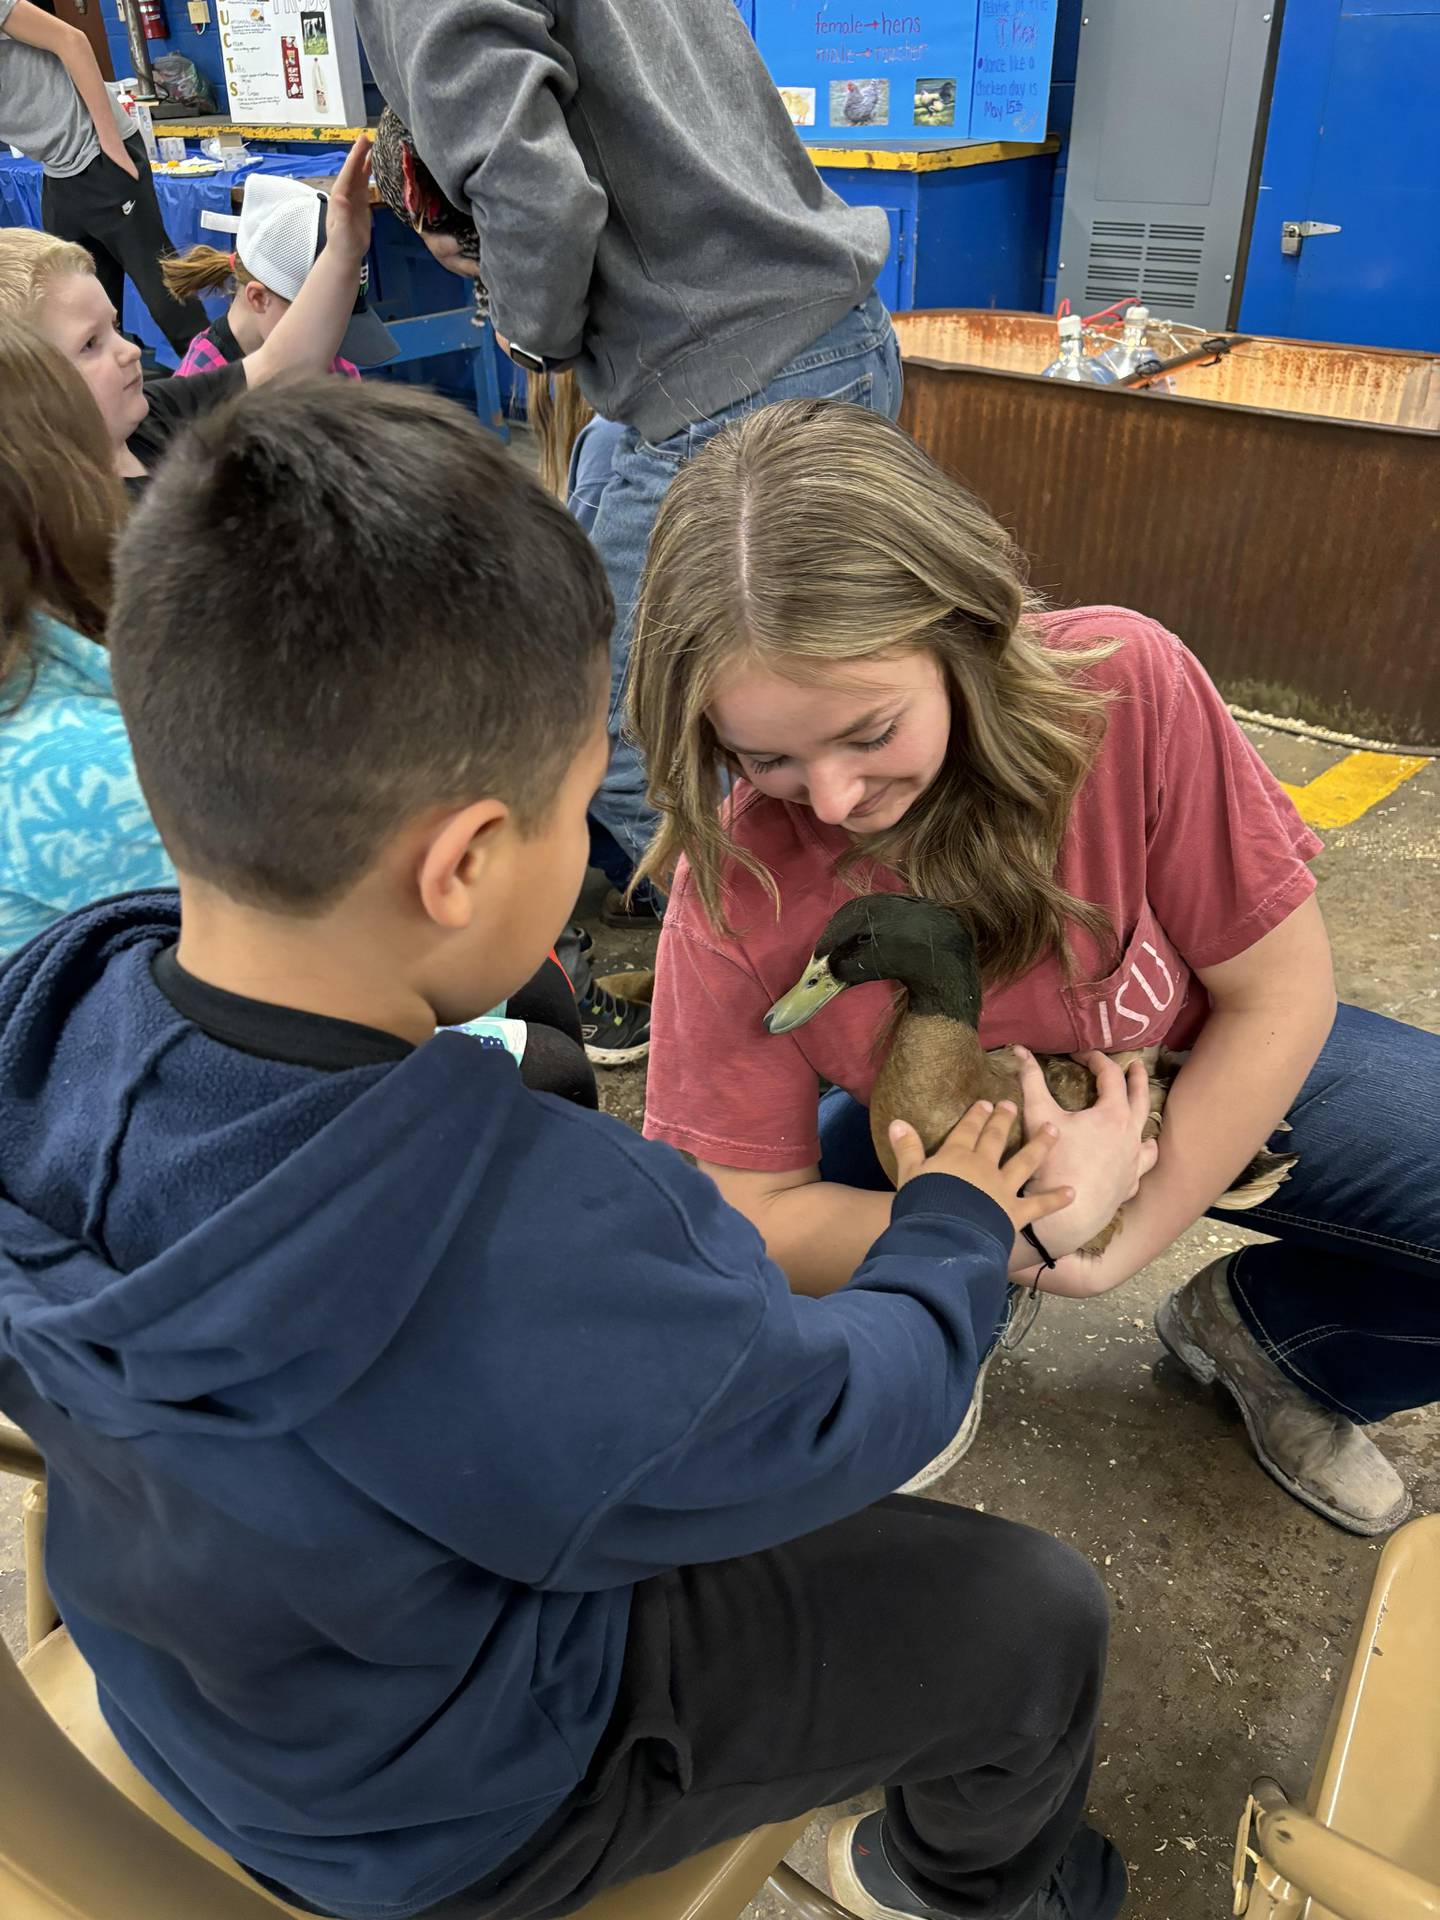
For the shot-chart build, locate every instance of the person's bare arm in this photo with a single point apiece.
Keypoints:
(36, 28)
(1272, 1008)
(307, 339)
(817, 1230)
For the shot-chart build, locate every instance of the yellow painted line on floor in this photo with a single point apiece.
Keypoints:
(1339, 796)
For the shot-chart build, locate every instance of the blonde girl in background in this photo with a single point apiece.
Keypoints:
(76, 826)
(281, 232)
(832, 620)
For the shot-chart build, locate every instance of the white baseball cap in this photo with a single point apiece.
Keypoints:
(279, 237)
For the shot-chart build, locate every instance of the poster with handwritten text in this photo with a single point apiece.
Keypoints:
(1010, 98)
(855, 75)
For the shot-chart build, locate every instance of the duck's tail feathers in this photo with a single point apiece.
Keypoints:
(1260, 1181)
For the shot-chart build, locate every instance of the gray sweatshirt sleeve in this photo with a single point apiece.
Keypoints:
(483, 87)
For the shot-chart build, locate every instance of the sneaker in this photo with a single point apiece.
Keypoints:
(1088, 1884)
(616, 1033)
(643, 911)
(573, 950)
(1321, 1457)
(1020, 1317)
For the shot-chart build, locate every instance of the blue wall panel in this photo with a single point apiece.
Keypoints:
(202, 48)
(1352, 141)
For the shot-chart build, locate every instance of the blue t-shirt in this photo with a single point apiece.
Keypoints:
(74, 826)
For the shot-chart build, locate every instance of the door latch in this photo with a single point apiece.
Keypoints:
(1293, 233)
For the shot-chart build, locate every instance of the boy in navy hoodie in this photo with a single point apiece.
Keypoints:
(457, 1509)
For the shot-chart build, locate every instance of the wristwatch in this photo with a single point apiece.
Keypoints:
(536, 362)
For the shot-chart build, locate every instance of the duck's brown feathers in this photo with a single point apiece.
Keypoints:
(936, 1070)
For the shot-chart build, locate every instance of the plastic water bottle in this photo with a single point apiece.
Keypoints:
(1133, 352)
(1074, 363)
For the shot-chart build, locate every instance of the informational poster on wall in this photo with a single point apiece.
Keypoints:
(291, 63)
(949, 70)
(1010, 95)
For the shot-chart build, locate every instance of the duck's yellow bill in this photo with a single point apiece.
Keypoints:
(815, 988)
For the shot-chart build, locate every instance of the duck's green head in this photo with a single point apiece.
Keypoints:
(928, 949)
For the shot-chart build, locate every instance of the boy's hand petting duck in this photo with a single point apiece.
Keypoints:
(936, 1069)
(977, 1150)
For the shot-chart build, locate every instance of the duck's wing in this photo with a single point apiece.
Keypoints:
(1260, 1181)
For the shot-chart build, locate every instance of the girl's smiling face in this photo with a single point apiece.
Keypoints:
(857, 748)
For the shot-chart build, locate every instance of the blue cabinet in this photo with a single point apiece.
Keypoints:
(967, 228)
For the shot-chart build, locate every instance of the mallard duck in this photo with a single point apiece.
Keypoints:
(935, 1067)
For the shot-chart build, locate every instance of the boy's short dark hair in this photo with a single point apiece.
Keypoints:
(341, 605)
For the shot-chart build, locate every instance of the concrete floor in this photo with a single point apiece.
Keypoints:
(1233, 1605)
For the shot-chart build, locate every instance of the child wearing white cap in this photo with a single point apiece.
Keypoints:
(279, 235)
(51, 285)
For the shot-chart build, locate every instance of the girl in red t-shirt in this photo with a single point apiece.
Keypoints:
(847, 633)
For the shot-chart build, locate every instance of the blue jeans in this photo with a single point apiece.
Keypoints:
(1346, 1299)
(858, 361)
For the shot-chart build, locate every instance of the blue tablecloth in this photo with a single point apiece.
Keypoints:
(182, 201)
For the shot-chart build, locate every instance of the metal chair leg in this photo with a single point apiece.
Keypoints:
(41, 1616)
(805, 1900)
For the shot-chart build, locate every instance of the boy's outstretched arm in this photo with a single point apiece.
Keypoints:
(831, 1405)
(483, 87)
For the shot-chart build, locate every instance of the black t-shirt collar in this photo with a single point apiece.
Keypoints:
(269, 1032)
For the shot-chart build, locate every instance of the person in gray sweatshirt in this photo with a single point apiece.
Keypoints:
(648, 216)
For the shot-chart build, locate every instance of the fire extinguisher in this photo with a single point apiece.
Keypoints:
(152, 19)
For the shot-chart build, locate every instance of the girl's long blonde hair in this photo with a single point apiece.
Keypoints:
(60, 503)
(558, 411)
(813, 534)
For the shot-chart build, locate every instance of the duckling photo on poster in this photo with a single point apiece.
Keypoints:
(934, 103)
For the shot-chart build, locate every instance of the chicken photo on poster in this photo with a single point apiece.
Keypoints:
(859, 103)
(315, 33)
(934, 103)
(799, 103)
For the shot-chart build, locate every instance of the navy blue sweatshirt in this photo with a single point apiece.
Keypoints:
(369, 1391)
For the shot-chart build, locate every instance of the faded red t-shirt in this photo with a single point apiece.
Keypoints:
(1180, 833)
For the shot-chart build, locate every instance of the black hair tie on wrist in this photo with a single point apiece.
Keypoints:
(1029, 1234)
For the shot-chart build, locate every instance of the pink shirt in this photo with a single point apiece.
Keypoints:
(1179, 832)
(204, 356)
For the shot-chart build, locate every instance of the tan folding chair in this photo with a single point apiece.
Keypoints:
(84, 1837)
(1367, 1844)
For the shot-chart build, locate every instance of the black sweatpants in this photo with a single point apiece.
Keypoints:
(555, 1060)
(119, 220)
(950, 1656)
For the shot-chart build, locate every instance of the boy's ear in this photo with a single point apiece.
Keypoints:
(257, 298)
(455, 856)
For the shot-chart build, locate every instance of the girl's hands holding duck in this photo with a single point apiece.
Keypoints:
(1099, 1153)
(972, 1151)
